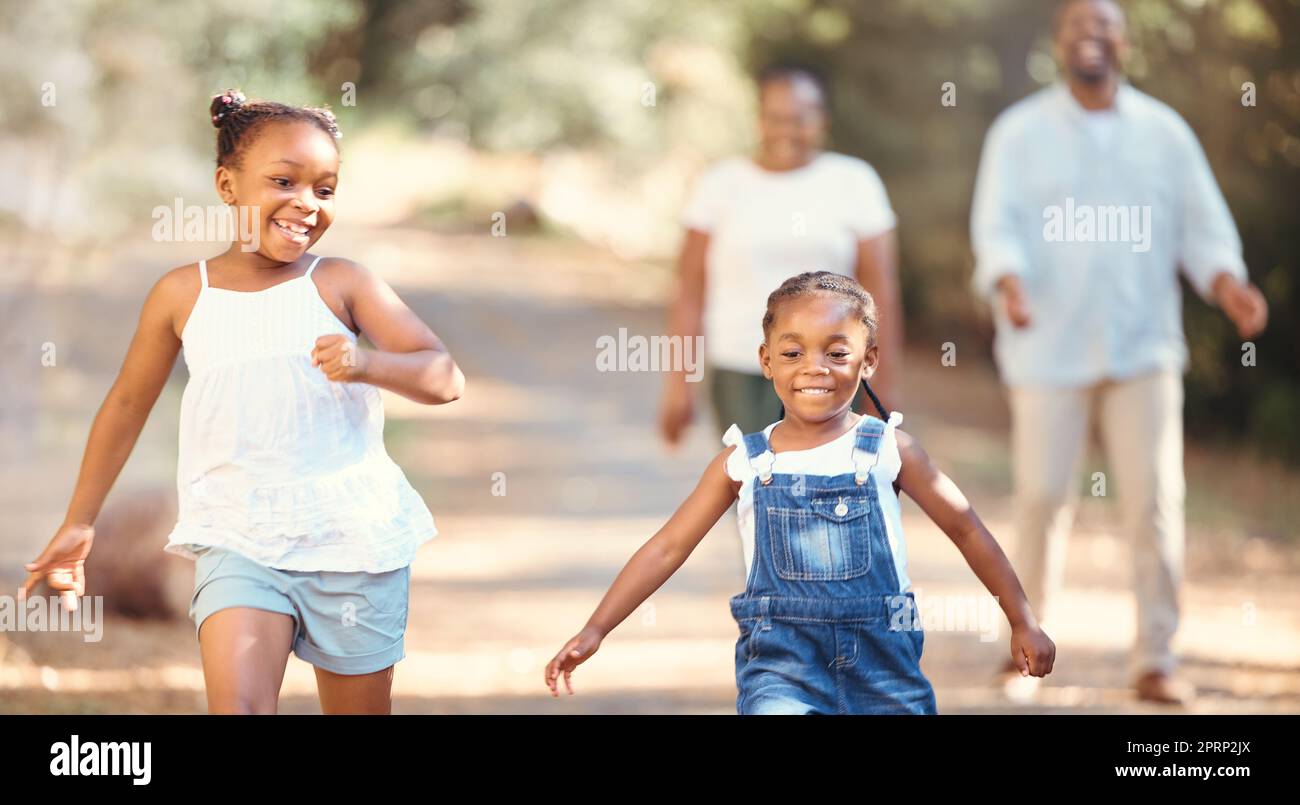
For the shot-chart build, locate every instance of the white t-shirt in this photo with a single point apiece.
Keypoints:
(833, 458)
(767, 226)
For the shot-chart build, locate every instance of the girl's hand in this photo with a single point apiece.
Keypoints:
(62, 564)
(577, 651)
(339, 358)
(1032, 650)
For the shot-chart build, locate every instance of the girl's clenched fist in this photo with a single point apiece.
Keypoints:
(340, 358)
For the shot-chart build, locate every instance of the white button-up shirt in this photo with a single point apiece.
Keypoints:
(1096, 212)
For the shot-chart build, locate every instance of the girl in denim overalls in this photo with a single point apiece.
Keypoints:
(825, 623)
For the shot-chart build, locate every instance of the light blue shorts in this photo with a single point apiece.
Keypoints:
(347, 623)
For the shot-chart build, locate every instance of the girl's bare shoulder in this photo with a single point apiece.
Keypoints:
(718, 468)
(180, 280)
(908, 446)
(912, 457)
(174, 294)
(341, 274)
(338, 281)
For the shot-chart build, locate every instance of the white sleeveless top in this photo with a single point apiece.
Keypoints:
(277, 462)
(833, 458)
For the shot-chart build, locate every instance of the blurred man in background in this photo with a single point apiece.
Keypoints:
(1089, 198)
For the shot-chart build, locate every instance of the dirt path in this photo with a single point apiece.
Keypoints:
(511, 576)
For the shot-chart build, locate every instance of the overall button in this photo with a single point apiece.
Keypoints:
(841, 509)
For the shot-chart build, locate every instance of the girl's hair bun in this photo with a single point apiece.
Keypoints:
(225, 104)
(238, 118)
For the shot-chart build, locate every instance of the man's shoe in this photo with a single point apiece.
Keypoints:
(1163, 688)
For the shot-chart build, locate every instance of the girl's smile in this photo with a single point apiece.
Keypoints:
(293, 231)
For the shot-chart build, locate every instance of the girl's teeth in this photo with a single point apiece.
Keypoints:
(290, 232)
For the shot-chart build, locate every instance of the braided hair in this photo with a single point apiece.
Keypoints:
(236, 119)
(828, 283)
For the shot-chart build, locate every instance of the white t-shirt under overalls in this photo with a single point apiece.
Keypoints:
(278, 462)
(833, 458)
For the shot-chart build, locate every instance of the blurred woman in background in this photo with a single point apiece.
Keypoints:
(751, 222)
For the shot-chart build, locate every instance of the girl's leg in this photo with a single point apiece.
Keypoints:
(355, 694)
(244, 652)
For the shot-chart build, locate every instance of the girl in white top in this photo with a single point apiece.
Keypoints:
(819, 346)
(282, 460)
(277, 461)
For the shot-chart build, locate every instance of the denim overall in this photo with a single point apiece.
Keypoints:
(823, 626)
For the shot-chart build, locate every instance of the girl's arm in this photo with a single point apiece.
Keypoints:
(652, 565)
(410, 359)
(944, 503)
(113, 434)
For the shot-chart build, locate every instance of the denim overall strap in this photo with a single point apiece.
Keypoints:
(866, 448)
(761, 457)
